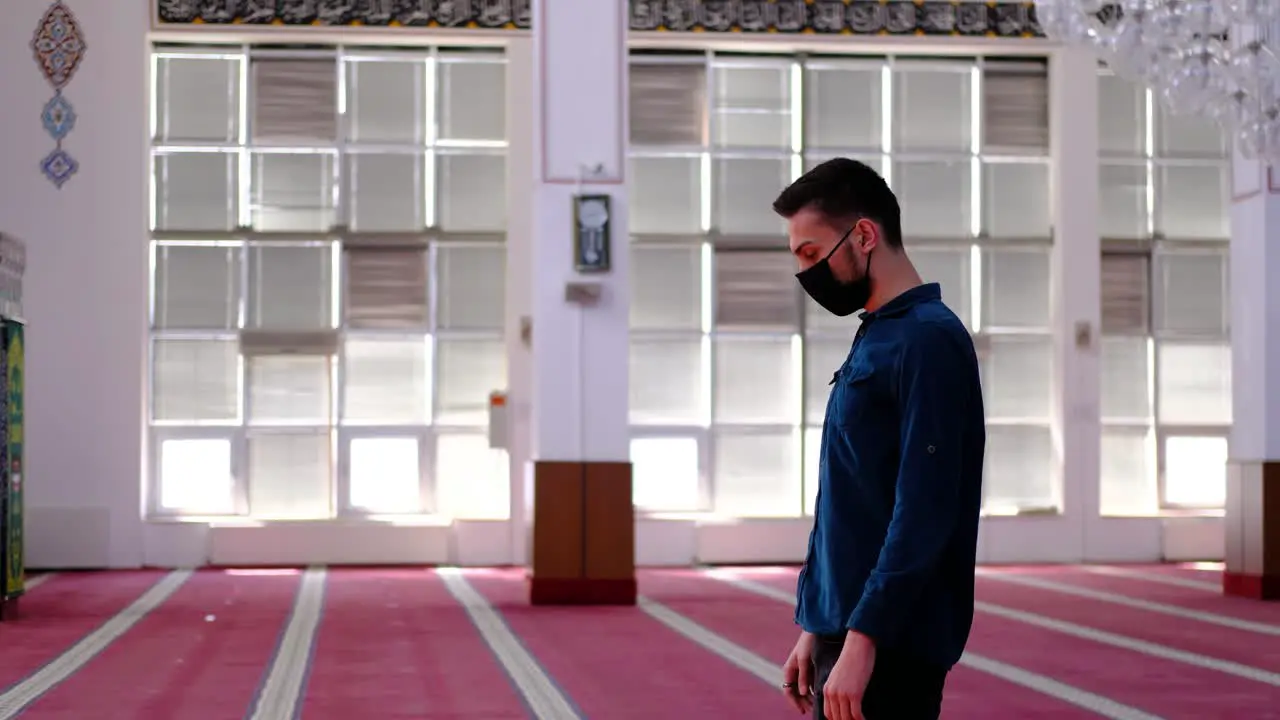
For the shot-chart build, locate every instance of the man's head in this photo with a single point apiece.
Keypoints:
(838, 214)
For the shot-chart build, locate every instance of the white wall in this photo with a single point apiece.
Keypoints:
(86, 297)
(86, 284)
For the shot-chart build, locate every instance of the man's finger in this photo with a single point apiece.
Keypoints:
(803, 676)
(836, 706)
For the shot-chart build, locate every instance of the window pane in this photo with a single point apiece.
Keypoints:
(1017, 377)
(197, 99)
(666, 195)
(756, 290)
(842, 107)
(289, 476)
(386, 192)
(1126, 378)
(745, 189)
(1188, 135)
(934, 197)
(668, 104)
(812, 460)
(1195, 471)
(1194, 383)
(1128, 479)
(753, 106)
(1015, 287)
(196, 477)
(386, 101)
(1122, 201)
(197, 286)
(1017, 200)
(473, 100)
(386, 288)
(293, 192)
(1193, 202)
(294, 100)
(757, 475)
(386, 475)
(473, 283)
(466, 372)
(471, 481)
(290, 389)
(931, 109)
(473, 195)
(1122, 116)
(197, 191)
(818, 320)
(821, 360)
(1018, 470)
(290, 286)
(667, 387)
(1192, 293)
(195, 380)
(666, 287)
(386, 381)
(950, 268)
(755, 381)
(665, 474)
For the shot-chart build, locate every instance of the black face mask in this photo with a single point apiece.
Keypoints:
(839, 299)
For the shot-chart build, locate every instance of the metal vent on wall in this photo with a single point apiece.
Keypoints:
(295, 100)
(1015, 105)
(387, 287)
(1126, 293)
(668, 104)
(755, 290)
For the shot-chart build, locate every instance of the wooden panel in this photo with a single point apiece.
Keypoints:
(1270, 521)
(557, 519)
(610, 519)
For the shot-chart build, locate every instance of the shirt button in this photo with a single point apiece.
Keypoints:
(931, 448)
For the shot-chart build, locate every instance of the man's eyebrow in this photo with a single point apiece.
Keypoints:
(802, 244)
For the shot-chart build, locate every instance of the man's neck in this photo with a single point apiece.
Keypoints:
(895, 275)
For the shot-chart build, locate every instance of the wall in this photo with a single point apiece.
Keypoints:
(86, 284)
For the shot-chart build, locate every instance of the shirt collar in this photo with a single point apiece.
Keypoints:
(906, 301)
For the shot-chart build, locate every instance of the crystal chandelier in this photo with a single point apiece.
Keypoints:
(1208, 57)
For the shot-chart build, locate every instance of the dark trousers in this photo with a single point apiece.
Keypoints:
(901, 688)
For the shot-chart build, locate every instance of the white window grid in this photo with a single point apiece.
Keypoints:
(1155, 245)
(238, 431)
(708, 428)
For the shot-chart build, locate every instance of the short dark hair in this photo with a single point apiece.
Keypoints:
(844, 191)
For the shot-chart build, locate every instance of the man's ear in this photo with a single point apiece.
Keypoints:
(867, 234)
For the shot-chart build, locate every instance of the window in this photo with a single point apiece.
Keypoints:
(327, 303)
(729, 357)
(1166, 353)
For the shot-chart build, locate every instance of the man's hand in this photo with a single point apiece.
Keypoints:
(797, 674)
(842, 693)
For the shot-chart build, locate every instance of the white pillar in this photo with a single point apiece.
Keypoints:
(86, 282)
(1076, 286)
(580, 125)
(1253, 477)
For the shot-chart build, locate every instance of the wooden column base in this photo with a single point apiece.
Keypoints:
(583, 534)
(9, 609)
(1253, 530)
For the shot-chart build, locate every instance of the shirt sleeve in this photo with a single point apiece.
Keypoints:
(934, 391)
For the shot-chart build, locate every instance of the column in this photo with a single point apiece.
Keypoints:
(1075, 285)
(87, 275)
(1253, 472)
(583, 539)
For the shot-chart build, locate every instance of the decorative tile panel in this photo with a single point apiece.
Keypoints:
(453, 14)
(59, 47)
(837, 17)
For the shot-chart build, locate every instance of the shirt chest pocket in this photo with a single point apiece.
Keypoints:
(854, 398)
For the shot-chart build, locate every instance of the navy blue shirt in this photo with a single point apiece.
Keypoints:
(895, 531)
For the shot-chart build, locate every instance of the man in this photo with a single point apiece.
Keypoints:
(885, 597)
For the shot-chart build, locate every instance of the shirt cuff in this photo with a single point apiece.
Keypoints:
(872, 618)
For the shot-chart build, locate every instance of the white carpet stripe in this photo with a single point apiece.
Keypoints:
(1103, 706)
(18, 697)
(1161, 578)
(730, 651)
(34, 581)
(1146, 605)
(282, 691)
(542, 695)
